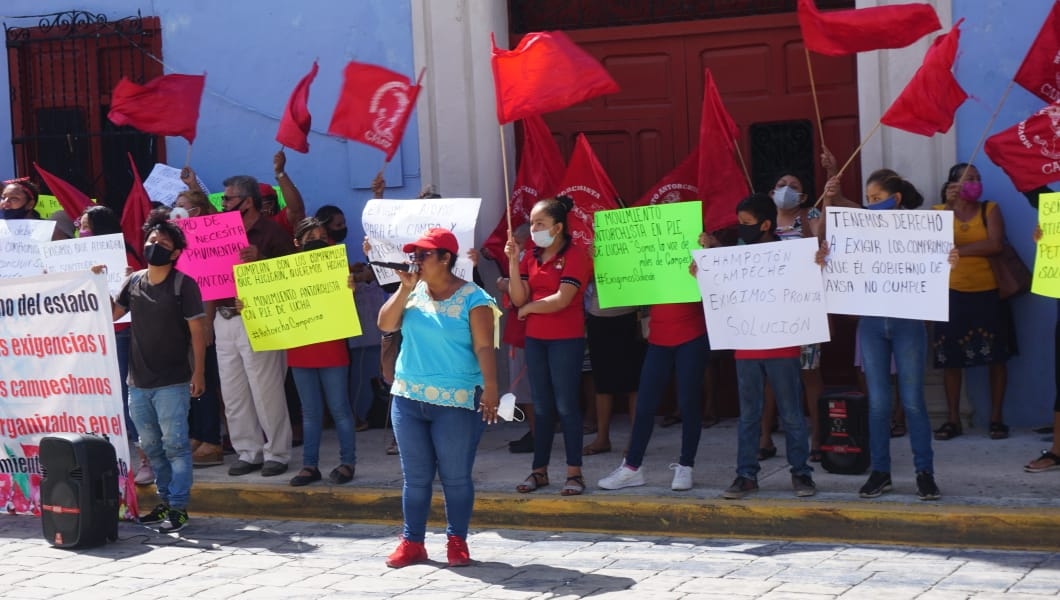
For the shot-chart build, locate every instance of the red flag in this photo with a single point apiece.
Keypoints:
(374, 107)
(840, 32)
(166, 105)
(1029, 152)
(540, 171)
(134, 215)
(591, 189)
(296, 120)
(1040, 72)
(720, 179)
(73, 200)
(929, 101)
(546, 72)
(678, 185)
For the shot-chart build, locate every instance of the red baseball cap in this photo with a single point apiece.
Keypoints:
(434, 238)
(265, 189)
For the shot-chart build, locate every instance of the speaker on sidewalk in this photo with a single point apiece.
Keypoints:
(844, 426)
(79, 490)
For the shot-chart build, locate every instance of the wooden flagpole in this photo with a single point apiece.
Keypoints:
(989, 125)
(813, 92)
(507, 185)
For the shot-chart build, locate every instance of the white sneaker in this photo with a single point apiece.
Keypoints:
(682, 478)
(622, 477)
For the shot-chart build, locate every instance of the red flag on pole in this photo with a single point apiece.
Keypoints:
(679, 185)
(929, 101)
(840, 32)
(1040, 72)
(374, 107)
(296, 120)
(546, 72)
(166, 105)
(73, 200)
(134, 215)
(588, 185)
(1029, 151)
(540, 171)
(720, 179)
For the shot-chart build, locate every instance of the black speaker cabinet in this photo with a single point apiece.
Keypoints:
(844, 425)
(79, 490)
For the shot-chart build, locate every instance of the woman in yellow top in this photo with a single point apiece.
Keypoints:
(980, 330)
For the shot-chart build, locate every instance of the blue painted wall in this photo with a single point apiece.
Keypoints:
(994, 39)
(253, 53)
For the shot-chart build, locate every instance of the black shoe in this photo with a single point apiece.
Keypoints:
(926, 488)
(304, 477)
(177, 520)
(341, 474)
(273, 468)
(522, 445)
(740, 487)
(157, 515)
(242, 467)
(803, 485)
(877, 484)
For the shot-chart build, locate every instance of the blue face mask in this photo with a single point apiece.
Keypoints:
(887, 204)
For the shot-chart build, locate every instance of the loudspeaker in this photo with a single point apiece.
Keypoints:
(79, 490)
(844, 426)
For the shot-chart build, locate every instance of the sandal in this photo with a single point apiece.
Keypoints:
(591, 450)
(573, 489)
(533, 481)
(998, 430)
(588, 429)
(1053, 463)
(948, 431)
(764, 453)
(898, 429)
(816, 455)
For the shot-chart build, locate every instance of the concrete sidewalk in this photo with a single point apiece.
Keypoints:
(987, 498)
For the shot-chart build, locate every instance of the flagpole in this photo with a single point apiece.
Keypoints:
(507, 186)
(187, 157)
(989, 125)
(851, 159)
(813, 91)
(743, 165)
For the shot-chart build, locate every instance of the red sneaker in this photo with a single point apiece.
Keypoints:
(458, 552)
(407, 553)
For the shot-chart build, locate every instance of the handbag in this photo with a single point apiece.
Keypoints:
(1011, 273)
(389, 347)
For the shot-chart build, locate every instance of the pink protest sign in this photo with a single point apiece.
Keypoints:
(214, 242)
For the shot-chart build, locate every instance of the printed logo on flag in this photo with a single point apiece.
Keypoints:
(1050, 148)
(389, 104)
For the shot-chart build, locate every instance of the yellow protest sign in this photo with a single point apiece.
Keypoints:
(1046, 280)
(297, 300)
(48, 204)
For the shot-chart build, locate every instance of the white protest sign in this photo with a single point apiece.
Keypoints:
(81, 254)
(762, 296)
(390, 224)
(163, 184)
(20, 257)
(40, 230)
(889, 263)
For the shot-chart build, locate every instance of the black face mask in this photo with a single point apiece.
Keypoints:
(314, 245)
(15, 213)
(337, 235)
(750, 233)
(157, 256)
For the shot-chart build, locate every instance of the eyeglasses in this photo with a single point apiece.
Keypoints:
(226, 199)
(421, 255)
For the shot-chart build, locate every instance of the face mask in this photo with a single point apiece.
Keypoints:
(884, 205)
(750, 234)
(84, 232)
(542, 239)
(157, 255)
(971, 191)
(15, 213)
(237, 207)
(314, 245)
(337, 235)
(785, 198)
(178, 212)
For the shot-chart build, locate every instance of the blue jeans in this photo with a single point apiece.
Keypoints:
(122, 347)
(906, 339)
(364, 365)
(161, 416)
(785, 376)
(436, 439)
(554, 368)
(688, 361)
(315, 387)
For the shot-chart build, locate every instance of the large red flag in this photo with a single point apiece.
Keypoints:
(374, 107)
(540, 171)
(588, 185)
(928, 103)
(296, 120)
(73, 200)
(166, 105)
(134, 215)
(720, 179)
(840, 32)
(544, 73)
(1029, 151)
(679, 185)
(1040, 72)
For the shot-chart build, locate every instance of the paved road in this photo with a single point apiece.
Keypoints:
(292, 560)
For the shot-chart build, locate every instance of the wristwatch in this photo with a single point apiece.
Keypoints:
(281, 175)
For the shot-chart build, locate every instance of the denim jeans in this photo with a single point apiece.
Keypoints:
(205, 414)
(161, 416)
(555, 371)
(122, 348)
(688, 361)
(436, 439)
(315, 387)
(364, 365)
(906, 340)
(785, 376)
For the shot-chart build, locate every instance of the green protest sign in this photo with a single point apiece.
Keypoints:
(641, 255)
(215, 199)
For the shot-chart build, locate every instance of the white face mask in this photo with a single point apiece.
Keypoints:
(506, 409)
(542, 239)
(785, 197)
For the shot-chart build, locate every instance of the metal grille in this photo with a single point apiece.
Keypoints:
(62, 68)
(538, 15)
(782, 146)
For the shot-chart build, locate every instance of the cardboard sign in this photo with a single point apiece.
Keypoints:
(81, 254)
(39, 230)
(1046, 280)
(214, 242)
(163, 184)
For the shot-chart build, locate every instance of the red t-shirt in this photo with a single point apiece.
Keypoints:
(320, 355)
(570, 265)
(675, 324)
(792, 352)
(280, 218)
